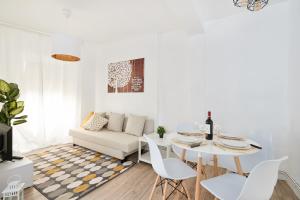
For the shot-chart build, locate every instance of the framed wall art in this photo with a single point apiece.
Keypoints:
(126, 76)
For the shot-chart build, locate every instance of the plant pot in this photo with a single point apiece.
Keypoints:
(161, 135)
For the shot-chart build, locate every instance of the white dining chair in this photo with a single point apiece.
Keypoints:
(259, 185)
(170, 171)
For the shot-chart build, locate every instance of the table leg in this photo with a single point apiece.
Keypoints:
(216, 172)
(182, 157)
(168, 151)
(238, 165)
(198, 179)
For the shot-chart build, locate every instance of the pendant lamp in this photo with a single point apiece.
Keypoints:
(240, 3)
(256, 5)
(252, 5)
(65, 47)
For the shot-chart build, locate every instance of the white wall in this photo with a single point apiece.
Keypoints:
(238, 69)
(181, 79)
(88, 68)
(137, 103)
(172, 62)
(294, 86)
(246, 74)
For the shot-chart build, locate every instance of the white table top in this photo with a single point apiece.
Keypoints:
(6, 165)
(159, 141)
(210, 148)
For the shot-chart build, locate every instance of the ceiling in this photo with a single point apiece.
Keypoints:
(102, 20)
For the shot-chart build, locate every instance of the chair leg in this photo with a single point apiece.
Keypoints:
(161, 185)
(154, 186)
(178, 187)
(165, 189)
(184, 186)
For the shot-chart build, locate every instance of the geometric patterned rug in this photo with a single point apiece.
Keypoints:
(67, 172)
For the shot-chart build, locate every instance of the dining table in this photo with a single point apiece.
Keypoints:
(212, 147)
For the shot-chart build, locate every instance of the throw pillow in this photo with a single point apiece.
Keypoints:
(87, 118)
(96, 122)
(115, 122)
(135, 125)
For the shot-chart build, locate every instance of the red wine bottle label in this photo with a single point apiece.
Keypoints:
(207, 128)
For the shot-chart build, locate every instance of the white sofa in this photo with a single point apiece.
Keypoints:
(116, 144)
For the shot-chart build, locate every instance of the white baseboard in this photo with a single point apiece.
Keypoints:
(283, 175)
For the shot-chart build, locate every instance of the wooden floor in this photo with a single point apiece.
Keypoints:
(137, 183)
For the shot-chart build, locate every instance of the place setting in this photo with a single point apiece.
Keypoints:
(189, 141)
(190, 137)
(226, 142)
(231, 142)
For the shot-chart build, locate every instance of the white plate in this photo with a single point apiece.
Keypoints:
(186, 140)
(230, 137)
(235, 143)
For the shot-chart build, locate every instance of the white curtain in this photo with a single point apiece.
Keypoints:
(50, 88)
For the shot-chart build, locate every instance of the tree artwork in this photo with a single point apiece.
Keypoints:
(119, 74)
(126, 76)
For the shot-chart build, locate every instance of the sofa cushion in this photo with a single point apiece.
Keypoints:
(95, 123)
(115, 122)
(149, 126)
(117, 140)
(87, 118)
(135, 125)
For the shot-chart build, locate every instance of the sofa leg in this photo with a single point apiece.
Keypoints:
(124, 160)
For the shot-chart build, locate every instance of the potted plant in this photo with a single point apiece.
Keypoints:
(11, 107)
(161, 131)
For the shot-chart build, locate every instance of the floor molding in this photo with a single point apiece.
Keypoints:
(283, 175)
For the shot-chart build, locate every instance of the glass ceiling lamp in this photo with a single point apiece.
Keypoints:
(252, 5)
(66, 48)
(240, 3)
(256, 5)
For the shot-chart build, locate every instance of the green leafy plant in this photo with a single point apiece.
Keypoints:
(161, 131)
(11, 107)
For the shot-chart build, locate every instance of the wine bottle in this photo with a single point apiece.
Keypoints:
(210, 127)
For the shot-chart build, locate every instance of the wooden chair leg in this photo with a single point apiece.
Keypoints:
(186, 190)
(178, 194)
(154, 186)
(165, 189)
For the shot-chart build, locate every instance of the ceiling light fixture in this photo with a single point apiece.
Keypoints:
(240, 3)
(65, 47)
(252, 5)
(256, 5)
